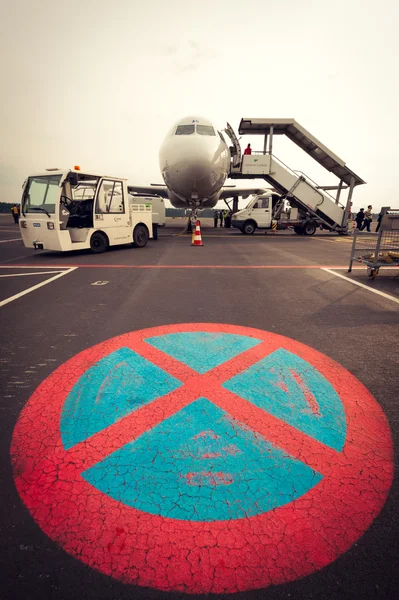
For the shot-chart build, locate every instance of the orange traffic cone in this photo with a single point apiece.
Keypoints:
(197, 240)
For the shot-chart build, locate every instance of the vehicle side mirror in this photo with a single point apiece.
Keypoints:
(73, 179)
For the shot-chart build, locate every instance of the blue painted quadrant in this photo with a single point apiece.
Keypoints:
(201, 465)
(115, 386)
(289, 388)
(203, 351)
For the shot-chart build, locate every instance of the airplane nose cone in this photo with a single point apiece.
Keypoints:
(191, 179)
(193, 168)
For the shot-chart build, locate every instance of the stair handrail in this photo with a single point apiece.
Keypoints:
(309, 180)
(282, 163)
(317, 185)
(301, 177)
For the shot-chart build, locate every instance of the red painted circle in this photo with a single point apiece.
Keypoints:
(278, 546)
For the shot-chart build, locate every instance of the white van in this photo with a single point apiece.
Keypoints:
(256, 215)
(259, 215)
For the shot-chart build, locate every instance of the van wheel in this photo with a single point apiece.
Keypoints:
(309, 229)
(249, 228)
(140, 236)
(98, 242)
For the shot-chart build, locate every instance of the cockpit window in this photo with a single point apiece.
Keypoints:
(205, 130)
(185, 130)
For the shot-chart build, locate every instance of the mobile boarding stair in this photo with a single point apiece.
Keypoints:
(294, 186)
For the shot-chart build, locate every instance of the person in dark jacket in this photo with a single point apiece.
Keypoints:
(227, 220)
(215, 218)
(368, 217)
(360, 218)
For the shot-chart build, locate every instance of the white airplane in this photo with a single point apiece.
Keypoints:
(195, 161)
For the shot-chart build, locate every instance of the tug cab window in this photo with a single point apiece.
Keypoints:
(77, 200)
(110, 197)
(185, 130)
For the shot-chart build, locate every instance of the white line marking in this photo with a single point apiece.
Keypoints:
(362, 285)
(35, 287)
(36, 273)
(13, 240)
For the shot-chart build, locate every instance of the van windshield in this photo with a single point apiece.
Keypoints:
(41, 194)
(252, 198)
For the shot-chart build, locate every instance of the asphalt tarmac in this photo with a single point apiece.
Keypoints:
(345, 527)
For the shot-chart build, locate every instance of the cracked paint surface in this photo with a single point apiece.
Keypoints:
(203, 458)
(117, 384)
(174, 471)
(289, 388)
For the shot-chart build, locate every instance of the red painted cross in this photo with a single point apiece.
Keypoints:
(209, 385)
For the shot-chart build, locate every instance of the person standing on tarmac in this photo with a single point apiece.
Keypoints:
(360, 218)
(215, 218)
(15, 213)
(227, 220)
(248, 150)
(221, 217)
(367, 218)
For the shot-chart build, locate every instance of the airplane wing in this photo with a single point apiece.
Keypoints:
(161, 190)
(229, 192)
(155, 189)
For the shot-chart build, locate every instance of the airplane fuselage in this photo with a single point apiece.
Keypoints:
(194, 161)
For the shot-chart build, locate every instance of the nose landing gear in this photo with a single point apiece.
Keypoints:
(192, 219)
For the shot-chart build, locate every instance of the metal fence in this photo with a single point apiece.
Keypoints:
(375, 250)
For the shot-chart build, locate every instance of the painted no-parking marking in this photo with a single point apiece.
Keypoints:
(59, 472)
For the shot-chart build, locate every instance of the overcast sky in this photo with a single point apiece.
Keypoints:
(99, 83)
